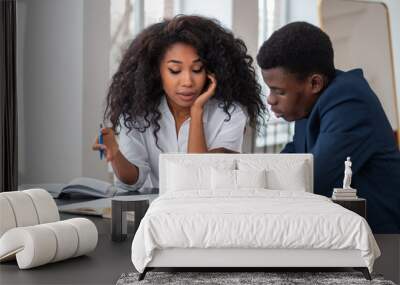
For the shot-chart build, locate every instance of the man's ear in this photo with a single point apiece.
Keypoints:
(317, 83)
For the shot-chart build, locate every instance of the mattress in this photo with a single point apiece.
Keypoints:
(250, 219)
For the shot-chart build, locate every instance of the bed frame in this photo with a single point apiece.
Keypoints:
(242, 259)
(245, 258)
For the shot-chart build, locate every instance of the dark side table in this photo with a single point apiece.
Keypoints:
(121, 206)
(357, 205)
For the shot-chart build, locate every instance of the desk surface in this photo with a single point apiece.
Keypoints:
(78, 204)
(104, 265)
(76, 198)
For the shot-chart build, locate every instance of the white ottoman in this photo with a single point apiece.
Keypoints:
(31, 233)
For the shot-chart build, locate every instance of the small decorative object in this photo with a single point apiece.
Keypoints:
(347, 192)
(347, 174)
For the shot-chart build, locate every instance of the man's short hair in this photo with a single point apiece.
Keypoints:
(299, 48)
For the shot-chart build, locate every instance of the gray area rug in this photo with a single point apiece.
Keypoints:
(228, 278)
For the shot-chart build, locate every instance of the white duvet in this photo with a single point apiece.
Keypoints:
(253, 218)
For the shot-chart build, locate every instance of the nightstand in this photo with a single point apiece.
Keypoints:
(357, 205)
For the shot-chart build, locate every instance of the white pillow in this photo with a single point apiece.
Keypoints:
(223, 179)
(185, 174)
(183, 178)
(251, 178)
(293, 180)
(226, 179)
(285, 174)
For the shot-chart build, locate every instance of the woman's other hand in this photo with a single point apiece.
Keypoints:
(206, 95)
(109, 146)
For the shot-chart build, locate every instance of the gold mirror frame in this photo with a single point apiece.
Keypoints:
(395, 109)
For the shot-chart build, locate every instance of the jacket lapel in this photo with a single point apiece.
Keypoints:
(301, 134)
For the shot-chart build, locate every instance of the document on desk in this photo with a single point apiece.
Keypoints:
(99, 207)
(82, 185)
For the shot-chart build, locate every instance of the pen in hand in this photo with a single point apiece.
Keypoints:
(101, 141)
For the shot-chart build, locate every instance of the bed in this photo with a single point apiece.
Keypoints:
(246, 211)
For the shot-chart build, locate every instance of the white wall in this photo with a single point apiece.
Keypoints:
(50, 89)
(245, 26)
(394, 22)
(360, 38)
(303, 10)
(62, 69)
(96, 79)
(245, 23)
(62, 76)
(221, 9)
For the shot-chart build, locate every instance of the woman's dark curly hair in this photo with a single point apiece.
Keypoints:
(136, 89)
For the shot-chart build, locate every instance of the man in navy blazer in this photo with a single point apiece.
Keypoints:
(336, 115)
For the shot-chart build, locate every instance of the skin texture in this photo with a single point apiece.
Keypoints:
(290, 97)
(184, 78)
(125, 171)
(144, 77)
(136, 89)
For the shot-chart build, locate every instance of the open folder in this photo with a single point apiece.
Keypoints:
(82, 185)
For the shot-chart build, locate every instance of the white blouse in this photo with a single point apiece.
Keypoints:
(141, 150)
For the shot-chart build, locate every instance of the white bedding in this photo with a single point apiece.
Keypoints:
(251, 218)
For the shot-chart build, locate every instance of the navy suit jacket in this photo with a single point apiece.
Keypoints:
(348, 120)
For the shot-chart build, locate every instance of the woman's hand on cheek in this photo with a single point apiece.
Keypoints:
(206, 95)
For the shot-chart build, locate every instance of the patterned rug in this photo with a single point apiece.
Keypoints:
(243, 278)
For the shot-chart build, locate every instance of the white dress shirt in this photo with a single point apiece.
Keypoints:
(141, 150)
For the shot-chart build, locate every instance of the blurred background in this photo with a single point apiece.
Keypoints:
(68, 50)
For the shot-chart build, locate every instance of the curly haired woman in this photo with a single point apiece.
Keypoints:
(184, 85)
